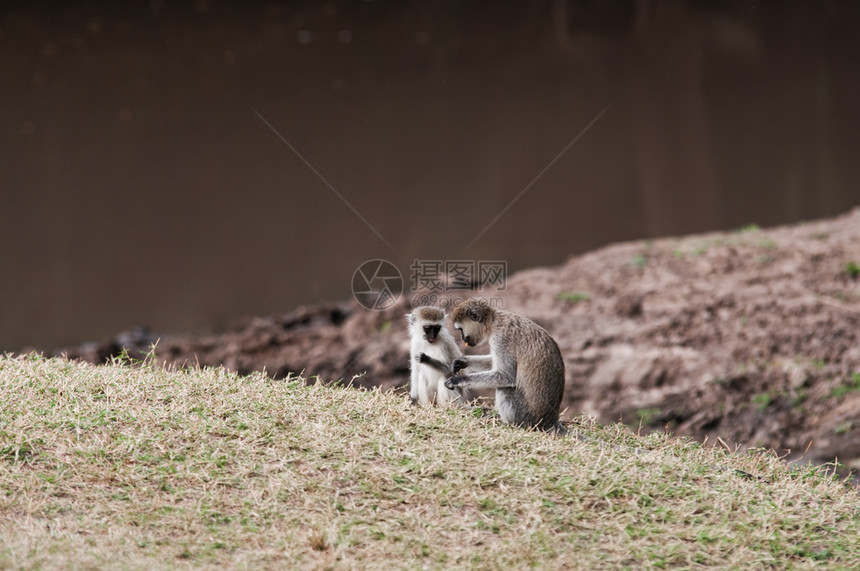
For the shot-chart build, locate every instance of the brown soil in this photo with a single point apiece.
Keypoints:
(751, 336)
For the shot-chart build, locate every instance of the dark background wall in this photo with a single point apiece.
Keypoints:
(141, 182)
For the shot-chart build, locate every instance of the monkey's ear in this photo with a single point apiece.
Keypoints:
(410, 317)
(474, 314)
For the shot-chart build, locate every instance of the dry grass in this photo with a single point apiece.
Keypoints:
(141, 467)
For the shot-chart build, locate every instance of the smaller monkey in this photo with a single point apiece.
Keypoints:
(431, 356)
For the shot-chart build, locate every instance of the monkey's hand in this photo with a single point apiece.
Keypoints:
(458, 365)
(454, 382)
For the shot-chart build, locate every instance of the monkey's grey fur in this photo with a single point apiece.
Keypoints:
(525, 365)
(432, 352)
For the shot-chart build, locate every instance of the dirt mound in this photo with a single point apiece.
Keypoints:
(751, 336)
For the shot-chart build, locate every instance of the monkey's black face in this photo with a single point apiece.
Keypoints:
(467, 339)
(431, 332)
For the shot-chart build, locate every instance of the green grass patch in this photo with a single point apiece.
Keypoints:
(852, 269)
(639, 260)
(139, 467)
(847, 386)
(748, 229)
(762, 401)
(749, 236)
(574, 297)
(648, 415)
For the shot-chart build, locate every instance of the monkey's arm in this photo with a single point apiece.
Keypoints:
(413, 384)
(425, 359)
(476, 363)
(495, 379)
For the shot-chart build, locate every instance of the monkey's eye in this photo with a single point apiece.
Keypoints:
(474, 314)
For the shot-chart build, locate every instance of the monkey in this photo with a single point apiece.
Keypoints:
(433, 350)
(525, 365)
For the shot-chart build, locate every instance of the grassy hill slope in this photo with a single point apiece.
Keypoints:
(141, 467)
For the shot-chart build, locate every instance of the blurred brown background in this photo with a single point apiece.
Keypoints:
(139, 187)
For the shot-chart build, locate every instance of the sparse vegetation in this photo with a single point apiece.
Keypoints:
(798, 399)
(762, 401)
(749, 228)
(142, 467)
(767, 244)
(844, 427)
(639, 260)
(648, 415)
(574, 297)
(853, 269)
(847, 386)
(749, 236)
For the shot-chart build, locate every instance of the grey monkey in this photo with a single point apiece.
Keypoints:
(524, 366)
(433, 350)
